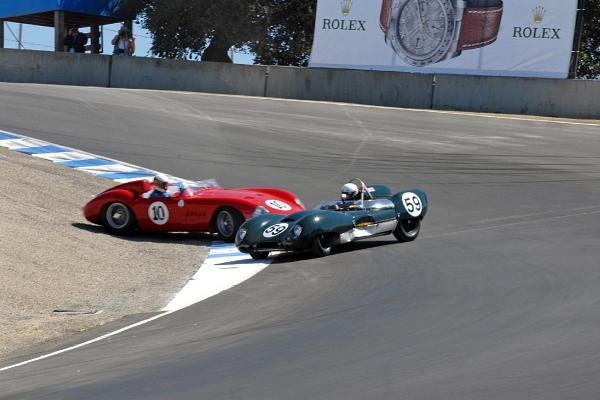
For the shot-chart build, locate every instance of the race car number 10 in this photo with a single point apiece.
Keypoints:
(158, 213)
(412, 204)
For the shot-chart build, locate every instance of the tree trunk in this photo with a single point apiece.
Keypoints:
(217, 52)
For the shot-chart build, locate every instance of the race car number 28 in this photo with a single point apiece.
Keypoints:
(278, 205)
(275, 230)
(158, 213)
(412, 204)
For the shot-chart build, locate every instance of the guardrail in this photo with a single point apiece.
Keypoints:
(535, 96)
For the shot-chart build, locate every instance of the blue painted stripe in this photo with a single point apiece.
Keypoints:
(42, 149)
(221, 245)
(234, 254)
(8, 136)
(126, 175)
(91, 162)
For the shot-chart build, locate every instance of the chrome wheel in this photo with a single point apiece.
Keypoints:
(227, 222)
(321, 245)
(117, 216)
(407, 229)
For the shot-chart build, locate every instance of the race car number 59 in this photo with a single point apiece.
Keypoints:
(275, 230)
(412, 204)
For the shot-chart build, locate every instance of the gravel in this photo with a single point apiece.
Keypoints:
(61, 274)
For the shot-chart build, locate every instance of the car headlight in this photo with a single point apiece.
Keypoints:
(241, 234)
(300, 203)
(296, 232)
(260, 210)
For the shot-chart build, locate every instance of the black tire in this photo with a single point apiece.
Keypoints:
(226, 222)
(259, 255)
(407, 230)
(117, 218)
(321, 245)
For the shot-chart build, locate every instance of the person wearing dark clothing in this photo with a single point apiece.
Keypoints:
(75, 41)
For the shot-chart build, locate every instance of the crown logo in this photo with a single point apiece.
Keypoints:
(346, 7)
(538, 14)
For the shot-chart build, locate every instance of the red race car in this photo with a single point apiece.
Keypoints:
(202, 206)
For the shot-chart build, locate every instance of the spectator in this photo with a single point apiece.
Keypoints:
(124, 42)
(75, 41)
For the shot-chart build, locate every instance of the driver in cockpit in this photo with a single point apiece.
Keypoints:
(350, 192)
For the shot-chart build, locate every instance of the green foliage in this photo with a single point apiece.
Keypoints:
(289, 34)
(184, 29)
(277, 31)
(589, 51)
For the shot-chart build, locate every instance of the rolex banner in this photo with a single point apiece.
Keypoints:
(528, 38)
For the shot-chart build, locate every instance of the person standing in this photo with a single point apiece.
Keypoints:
(124, 42)
(75, 41)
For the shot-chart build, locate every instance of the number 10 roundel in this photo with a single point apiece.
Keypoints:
(158, 213)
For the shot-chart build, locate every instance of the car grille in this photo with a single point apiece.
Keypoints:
(268, 245)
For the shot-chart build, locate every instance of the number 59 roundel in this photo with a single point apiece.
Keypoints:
(412, 204)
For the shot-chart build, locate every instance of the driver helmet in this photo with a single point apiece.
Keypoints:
(161, 183)
(350, 192)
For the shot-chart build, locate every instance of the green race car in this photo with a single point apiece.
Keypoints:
(370, 211)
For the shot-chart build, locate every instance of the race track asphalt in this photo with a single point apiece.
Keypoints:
(497, 299)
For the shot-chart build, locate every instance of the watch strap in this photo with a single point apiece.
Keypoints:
(385, 14)
(480, 27)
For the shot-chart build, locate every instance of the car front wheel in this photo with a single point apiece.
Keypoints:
(259, 255)
(321, 245)
(118, 218)
(407, 230)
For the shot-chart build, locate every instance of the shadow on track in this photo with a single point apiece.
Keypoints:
(341, 249)
(192, 239)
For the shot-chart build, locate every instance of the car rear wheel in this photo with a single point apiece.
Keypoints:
(407, 230)
(227, 222)
(259, 255)
(321, 245)
(117, 218)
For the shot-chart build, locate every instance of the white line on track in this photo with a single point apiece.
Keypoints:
(219, 272)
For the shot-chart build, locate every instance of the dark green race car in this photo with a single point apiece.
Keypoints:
(376, 212)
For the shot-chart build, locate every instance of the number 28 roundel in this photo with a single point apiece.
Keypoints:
(158, 213)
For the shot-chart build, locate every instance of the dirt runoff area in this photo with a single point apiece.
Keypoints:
(53, 260)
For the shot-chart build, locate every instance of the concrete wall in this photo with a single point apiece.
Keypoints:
(351, 86)
(549, 97)
(53, 68)
(193, 76)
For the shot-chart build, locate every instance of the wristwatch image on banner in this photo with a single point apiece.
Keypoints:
(424, 32)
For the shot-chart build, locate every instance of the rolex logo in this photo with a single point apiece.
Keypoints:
(538, 14)
(346, 7)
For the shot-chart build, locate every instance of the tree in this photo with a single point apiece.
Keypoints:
(190, 29)
(277, 31)
(289, 35)
(589, 50)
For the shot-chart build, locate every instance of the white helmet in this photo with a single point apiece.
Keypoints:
(349, 191)
(161, 182)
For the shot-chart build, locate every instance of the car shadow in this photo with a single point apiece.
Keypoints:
(341, 249)
(189, 238)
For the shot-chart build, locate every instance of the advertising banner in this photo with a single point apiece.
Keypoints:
(527, 38)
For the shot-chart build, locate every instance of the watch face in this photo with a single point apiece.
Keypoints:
(422, 30)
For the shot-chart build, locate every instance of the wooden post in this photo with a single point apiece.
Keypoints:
(59, 30)
(95, 33)
(1, 33)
